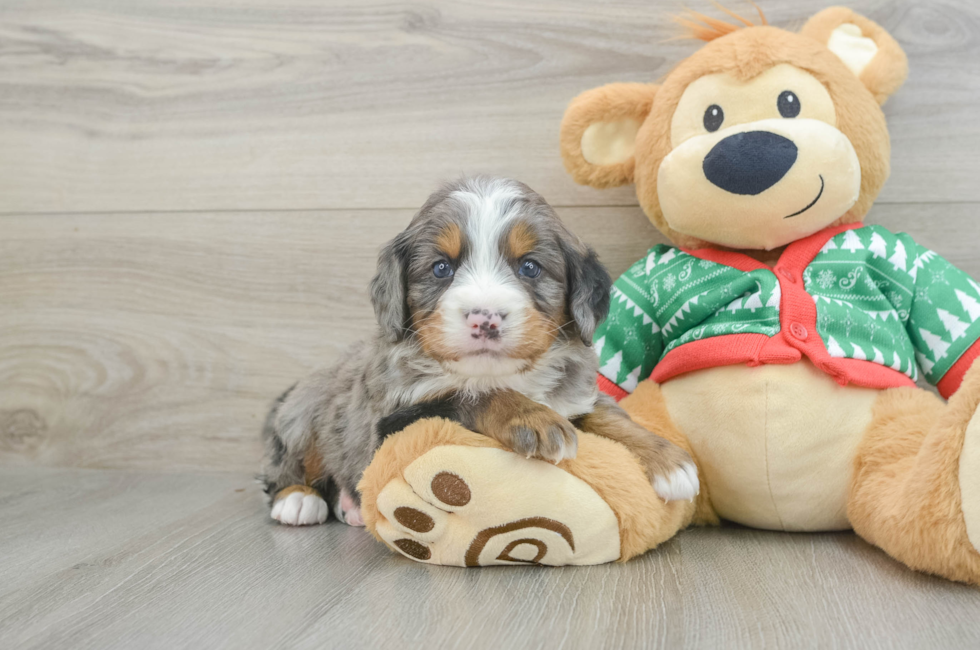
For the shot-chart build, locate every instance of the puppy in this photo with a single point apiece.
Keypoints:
(486, 306)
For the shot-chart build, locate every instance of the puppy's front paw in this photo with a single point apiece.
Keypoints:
(540, 433)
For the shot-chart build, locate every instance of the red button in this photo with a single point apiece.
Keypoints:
(798, 331)
(786, 273)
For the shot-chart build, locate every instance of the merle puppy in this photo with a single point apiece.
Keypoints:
(486, 306)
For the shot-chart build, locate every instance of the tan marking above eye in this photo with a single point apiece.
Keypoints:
(450, 241)
(521, 240)
(749, 101)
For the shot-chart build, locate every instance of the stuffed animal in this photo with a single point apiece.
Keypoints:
(778, 340)
(780, 335)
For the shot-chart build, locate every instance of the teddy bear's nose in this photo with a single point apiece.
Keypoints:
(750, 162)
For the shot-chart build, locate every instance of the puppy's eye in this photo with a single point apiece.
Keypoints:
(442, 269)
(788, 104)
(529, 269)
(713, 117)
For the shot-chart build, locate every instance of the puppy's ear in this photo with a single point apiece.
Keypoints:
(389, 288)
(598, 133)
(588, 290)
(865, 48)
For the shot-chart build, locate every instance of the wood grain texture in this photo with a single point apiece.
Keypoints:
(192, 195)
(145, 561)
(108, 105)
(158, 341)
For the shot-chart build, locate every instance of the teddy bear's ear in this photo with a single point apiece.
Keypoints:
(864, 47)
(598, 133)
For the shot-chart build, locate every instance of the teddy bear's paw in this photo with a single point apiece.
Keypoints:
(468, 506)
(681, 484)
(299, 508)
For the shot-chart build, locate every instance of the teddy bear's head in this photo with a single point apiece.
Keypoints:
(760, 138)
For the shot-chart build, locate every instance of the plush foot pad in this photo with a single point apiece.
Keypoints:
(299, 508)
(468, 506)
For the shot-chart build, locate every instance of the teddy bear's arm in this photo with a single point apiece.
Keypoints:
(630, 342)
(942, 315)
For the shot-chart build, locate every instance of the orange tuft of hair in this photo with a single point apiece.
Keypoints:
(705, 28)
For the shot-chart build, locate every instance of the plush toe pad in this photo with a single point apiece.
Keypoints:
(468, 506)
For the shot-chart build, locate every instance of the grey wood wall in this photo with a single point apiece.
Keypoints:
(192, 194)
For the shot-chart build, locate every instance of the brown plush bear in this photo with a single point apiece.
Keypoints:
(781, 337)
(778, 341)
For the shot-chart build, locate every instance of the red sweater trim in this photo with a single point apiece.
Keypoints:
(611, 389)
(725, 350)
(950, 383)
(759, 349)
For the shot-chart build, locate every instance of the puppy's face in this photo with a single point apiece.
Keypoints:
(488, 279)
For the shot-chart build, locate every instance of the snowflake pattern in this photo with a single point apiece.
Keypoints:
(670, 282)
(872, 327)
(826, 279)
(823, 320)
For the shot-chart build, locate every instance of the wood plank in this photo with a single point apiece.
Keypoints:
(158, 341)
(123, 560)
(305, 104)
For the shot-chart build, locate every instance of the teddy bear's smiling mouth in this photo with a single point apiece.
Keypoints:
(812, 203)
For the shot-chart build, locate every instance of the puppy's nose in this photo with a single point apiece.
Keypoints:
(749, 163)
(484, 324)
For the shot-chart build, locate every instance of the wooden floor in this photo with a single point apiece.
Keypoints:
(192, 195)
(106, 559)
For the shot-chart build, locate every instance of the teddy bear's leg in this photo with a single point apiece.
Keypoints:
(441, 494)
(646, 406)
(916, 486)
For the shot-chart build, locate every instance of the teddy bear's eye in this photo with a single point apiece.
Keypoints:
(788, 104)
(713, 117)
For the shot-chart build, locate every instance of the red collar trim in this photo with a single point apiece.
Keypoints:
(797, 255)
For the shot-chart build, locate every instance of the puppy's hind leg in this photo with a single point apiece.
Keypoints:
(284, 474)
(347, 509)
(302, 504)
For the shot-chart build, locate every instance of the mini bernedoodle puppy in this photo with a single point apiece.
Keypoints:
(486, 306)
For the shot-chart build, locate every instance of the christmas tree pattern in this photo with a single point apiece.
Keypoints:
(925, 312)
(880, 298)
(670, 298)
